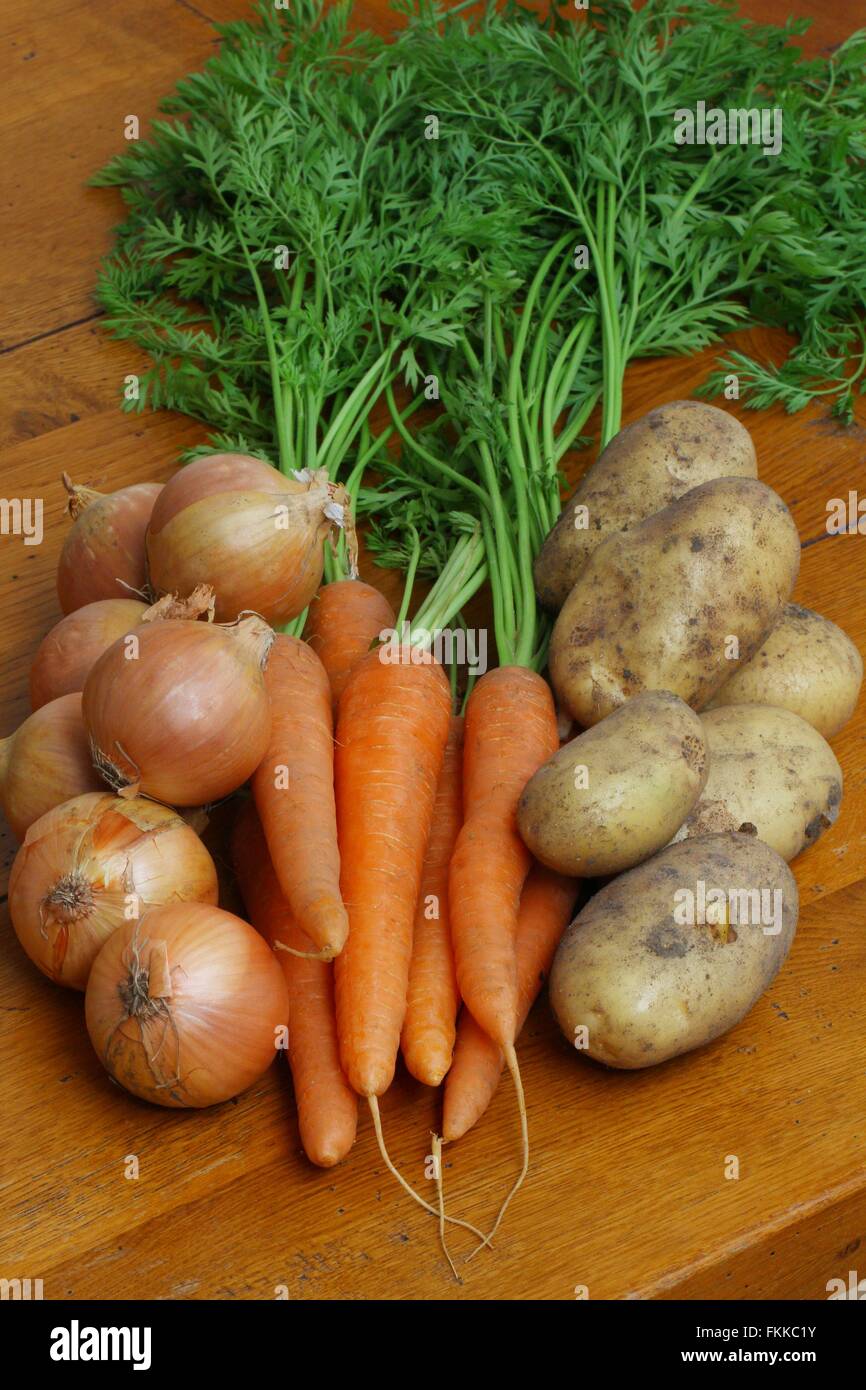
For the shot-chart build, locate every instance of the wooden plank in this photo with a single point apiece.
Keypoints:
(225, 1206)
(91, 66)
(62, 380)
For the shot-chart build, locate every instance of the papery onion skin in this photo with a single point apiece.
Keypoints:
(65, 655)
(46, 762)
(187, 720)
(89, 864)
(218, 1029)
(104, 556)
(238, 524)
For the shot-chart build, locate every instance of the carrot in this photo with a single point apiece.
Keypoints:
(345, 618)
(293, 789)
(391, 736)
(327, 1106)
(429, 1029)
(392, 731)
(546, 907)
(510, 731)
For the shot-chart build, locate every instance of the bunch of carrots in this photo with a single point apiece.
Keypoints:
(380, 858)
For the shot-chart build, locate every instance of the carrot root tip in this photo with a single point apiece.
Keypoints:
(440, 1192)
(373, 1103)
(326, 954)
(514, 1069)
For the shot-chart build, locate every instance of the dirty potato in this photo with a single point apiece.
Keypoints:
(769, 772)
(674, 953)
(676, 602)
(645, 467)
(616, 794)
(808, 665)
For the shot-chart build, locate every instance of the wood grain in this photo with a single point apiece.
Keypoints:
(627, 1193)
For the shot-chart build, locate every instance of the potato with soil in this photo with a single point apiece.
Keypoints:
(769, 771)
(645, 467)
(674, 953)
(612, 797)
(666, 605)
(808, 665)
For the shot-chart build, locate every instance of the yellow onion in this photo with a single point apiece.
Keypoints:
(187, 1006)
(255, 535)
(66, 654)
(179, 710)
(45, 762)
(103, 555)
(94, 864)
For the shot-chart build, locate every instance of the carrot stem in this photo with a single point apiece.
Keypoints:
(409, 582)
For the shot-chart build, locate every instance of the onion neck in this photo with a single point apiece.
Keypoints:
(200, 602)
(254, 637)
(80, 497)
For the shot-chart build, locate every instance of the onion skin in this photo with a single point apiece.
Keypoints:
(238, 524)
(104, 555)
(45, 762)
(182, 1006)
(89, 864)
(65, 655)
(188, 719)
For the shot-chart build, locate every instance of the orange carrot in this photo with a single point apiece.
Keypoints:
(294, 793)
(392, 730)
(327, 1105)
(510, 732)
(345, 618)
(391, 736)
(429, 1027)
(547, 906)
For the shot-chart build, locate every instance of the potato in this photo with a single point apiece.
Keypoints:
(645, 467)
(808, 665)
(616, 794)
(645, 983)
(770, 771)
(662, 606)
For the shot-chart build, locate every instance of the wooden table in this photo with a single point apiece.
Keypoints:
(627, 1194)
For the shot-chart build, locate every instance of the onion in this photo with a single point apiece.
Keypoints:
(256, 536)
(92, 864)
(103, 555)
(184, 1006)
(45, 762)
(179, 710)
(67, 653)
